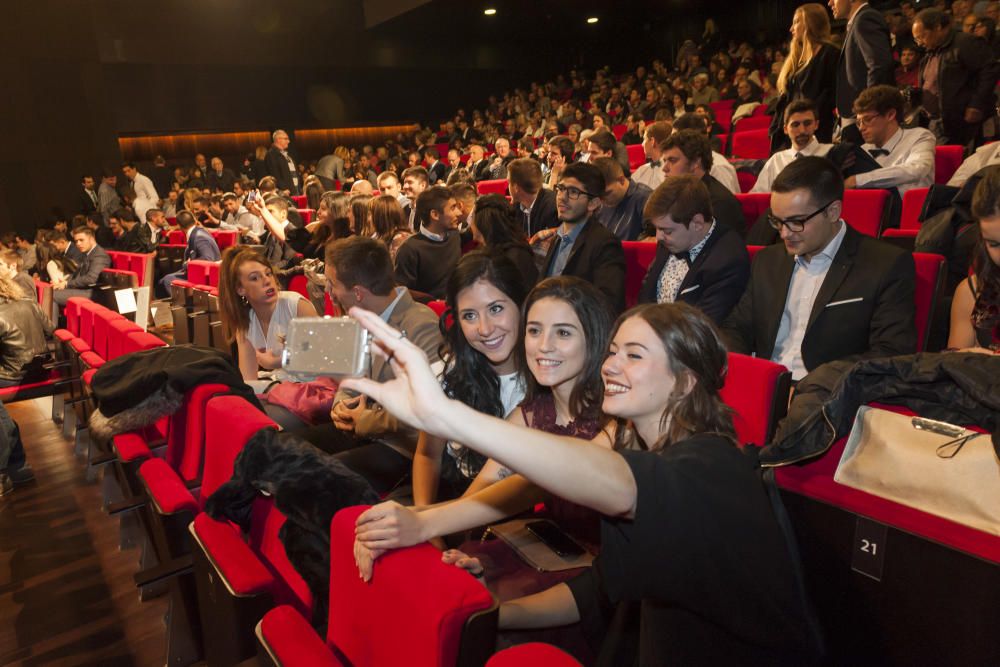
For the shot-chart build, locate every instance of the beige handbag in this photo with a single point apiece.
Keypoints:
(931, 466)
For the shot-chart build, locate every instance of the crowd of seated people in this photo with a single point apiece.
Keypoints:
(523, 386)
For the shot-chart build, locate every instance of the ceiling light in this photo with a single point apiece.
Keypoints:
(592, 19)
(490, 11)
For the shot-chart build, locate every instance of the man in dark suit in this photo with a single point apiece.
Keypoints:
(219, 178)
(88, 202)
(865, 60)
(477, 164)
(690, 152)
(535, 206)
(436, 169)
(698, 261)
(957, 76)
(282, 165)
(829, 293)
(582, 246)
(92, 261)
(200, 245)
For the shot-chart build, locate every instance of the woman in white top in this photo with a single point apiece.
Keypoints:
(254, 312)
(484, 298)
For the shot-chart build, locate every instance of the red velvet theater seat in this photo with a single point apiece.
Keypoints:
(947, 160)
(930, 270)
(636, 156)
(752, 144)
(753, 204)
(757, 391)
(638, 256)
(865, 210)
(534, 654)
(497, 186)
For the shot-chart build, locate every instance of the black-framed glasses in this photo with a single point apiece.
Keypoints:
(573, 193)
(795, 224)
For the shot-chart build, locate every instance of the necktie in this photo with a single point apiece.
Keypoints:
(673, 275)
(876, 152)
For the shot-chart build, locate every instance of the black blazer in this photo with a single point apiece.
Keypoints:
(866, 59)
(224, 182)
(437, 173)
(543, 213)
(966, 77)
(725, 206)
(864, 307)
(817, 82)
(85, 204)
(277, 166)
(479, 169)
(598, 258)
(715, 280)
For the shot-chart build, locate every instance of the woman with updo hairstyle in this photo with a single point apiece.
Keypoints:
(496, 229)
(389, 223)
(685, 511)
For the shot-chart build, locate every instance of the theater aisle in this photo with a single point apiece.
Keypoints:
(66, 590)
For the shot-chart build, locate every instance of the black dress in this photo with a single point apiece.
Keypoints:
(706, 562)
(817, 82)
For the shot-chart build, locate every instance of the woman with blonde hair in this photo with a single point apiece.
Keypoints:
(809, 71)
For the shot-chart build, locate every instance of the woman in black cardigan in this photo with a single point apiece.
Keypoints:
(810, 71)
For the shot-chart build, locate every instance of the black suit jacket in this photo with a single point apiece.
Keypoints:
(715, 280)
(817, 81)
(277, 166)
(863, 309)
(437, 173)
(598, 258)
(866, 59)
(725, 206)
(543, 213)
(479, 169)
(85, 204)
(224, 182)
(89, 268)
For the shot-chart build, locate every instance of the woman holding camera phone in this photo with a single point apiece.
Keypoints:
(688, 529)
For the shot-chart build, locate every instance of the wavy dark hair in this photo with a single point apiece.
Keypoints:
(986, 204)
(596, 318)
(698, 360)
(494, 218)
(469, 376)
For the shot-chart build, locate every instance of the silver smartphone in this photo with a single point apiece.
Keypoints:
(332, 346)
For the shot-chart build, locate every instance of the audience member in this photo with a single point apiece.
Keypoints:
(88, 201)
(828, 292)
(809, 71)
(92, 261)
(689, 152)
(102, 232)
(535, 205)
(12, 269)
(145, 194)
(236, 217)
(602, 143)
(985, 156)
(801, 123)
(650, 174)
(200, 245)
(107, 196)
(330, 168)
(498, 163)
(957, 77)
(581, 246)
(415, 181)
(426, 259)
(561, 153)
(280, 164)
(865, 59)
(975, 310)
(389, 222)
(722, 169)
(908, 70)
(220, 178)
(27, 251)
(906, 155)
(698, 261)
(622, 202)
(495, 228)
(477, 165)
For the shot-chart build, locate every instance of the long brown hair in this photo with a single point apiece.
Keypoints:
(698, 360)
(233, 310)
(800, 52)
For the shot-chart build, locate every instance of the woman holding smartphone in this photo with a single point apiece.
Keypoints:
(688, 530)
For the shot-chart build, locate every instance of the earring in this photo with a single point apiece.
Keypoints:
(244, 300)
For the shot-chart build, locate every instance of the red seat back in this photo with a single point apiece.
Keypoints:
(137, 341)
(266, 521)
(751, 145)
(636, 156)
(300, 201)
(306, 214)
(298, 284)
(426, 603)
(753, 204)
(753, 123)
(225, 238)
(213, 274)
(197, 272)
(74, 306)
(534, 654)
(102, 331)
(757, 391)
(230, 421)
(119, 260)
(177, 237)
(438, 306)
(118, 331)
(947, 160)
(930, 270)
(638, 256)
(87, 314)
(864, 210)
(913, 204)
(619, 131)
(747, 181)
(752, 250)
(186, 431)
(497, 186)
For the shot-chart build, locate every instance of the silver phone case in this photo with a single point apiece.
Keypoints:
(331, 346)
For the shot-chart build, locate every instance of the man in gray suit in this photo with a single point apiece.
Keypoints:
(88, 269)
(865, 61)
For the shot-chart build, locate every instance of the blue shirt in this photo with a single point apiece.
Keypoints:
(565, 247)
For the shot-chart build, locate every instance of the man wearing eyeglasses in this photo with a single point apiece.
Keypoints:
(905, 155)
(582, 246)
(830, 293)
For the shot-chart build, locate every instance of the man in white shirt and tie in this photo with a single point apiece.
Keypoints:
(906, 155)
(651, 173)
(801, 124)
(145, 193)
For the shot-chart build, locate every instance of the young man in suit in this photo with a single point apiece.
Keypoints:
(92, 261)
(88, 201)
(582, 246)
(698, 261)
(535, 206)
(827, 292)
(690, 152)
(865, 59)
(436, 170)
(200, 245)
(414, 181)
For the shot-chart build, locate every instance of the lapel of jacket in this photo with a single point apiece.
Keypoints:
(395, 320)
(581, 241)
(700, 259)
(839, 269)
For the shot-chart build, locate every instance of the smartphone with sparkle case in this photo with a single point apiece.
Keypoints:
(331, 346)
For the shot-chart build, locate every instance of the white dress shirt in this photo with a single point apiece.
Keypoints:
(724, 172)
(909, 164)
(777, 162)
(145, 195)
(807, 278)
(985, 156)
(649, 174)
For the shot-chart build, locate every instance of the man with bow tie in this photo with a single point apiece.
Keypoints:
(698, 261)
(801, 123)
(651, 173)
(906, 155)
